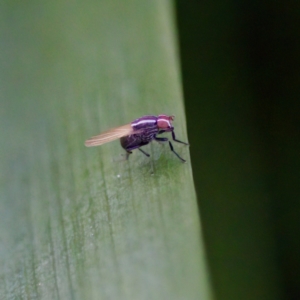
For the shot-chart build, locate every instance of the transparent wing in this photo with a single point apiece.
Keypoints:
(109, 135)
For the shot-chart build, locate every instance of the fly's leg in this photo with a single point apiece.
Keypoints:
(134, 146)
(171, 146)
(127, 154)
(174, 139)
(159, 139)
(144, 152)
(172, 149)
(124, 156)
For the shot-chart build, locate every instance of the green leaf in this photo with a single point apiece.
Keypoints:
(75, 222)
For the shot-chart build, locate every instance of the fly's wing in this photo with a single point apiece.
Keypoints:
(109, 135)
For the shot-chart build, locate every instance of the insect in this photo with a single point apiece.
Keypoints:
(138, 133)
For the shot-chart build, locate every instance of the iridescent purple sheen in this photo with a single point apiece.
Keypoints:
(146, 129)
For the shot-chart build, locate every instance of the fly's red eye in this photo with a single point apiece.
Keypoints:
(164, 122)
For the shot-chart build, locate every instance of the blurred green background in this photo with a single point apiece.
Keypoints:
(67, 228)
(76, 222)
(241, 78)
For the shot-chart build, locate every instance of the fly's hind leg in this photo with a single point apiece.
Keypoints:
(127, 154)
(137, 146)
(144, 152)
(124, 156)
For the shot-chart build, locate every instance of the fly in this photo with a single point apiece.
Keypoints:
(139, 133)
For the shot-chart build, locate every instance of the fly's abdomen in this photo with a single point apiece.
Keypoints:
(131, 142)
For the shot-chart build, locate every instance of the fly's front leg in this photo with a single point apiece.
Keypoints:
(172, 149)
(174, 139)
(171, 146)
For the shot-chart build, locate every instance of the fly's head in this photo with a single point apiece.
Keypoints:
(164, 123)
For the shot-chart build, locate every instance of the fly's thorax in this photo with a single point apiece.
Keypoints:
(145, 123)
(144, 131)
